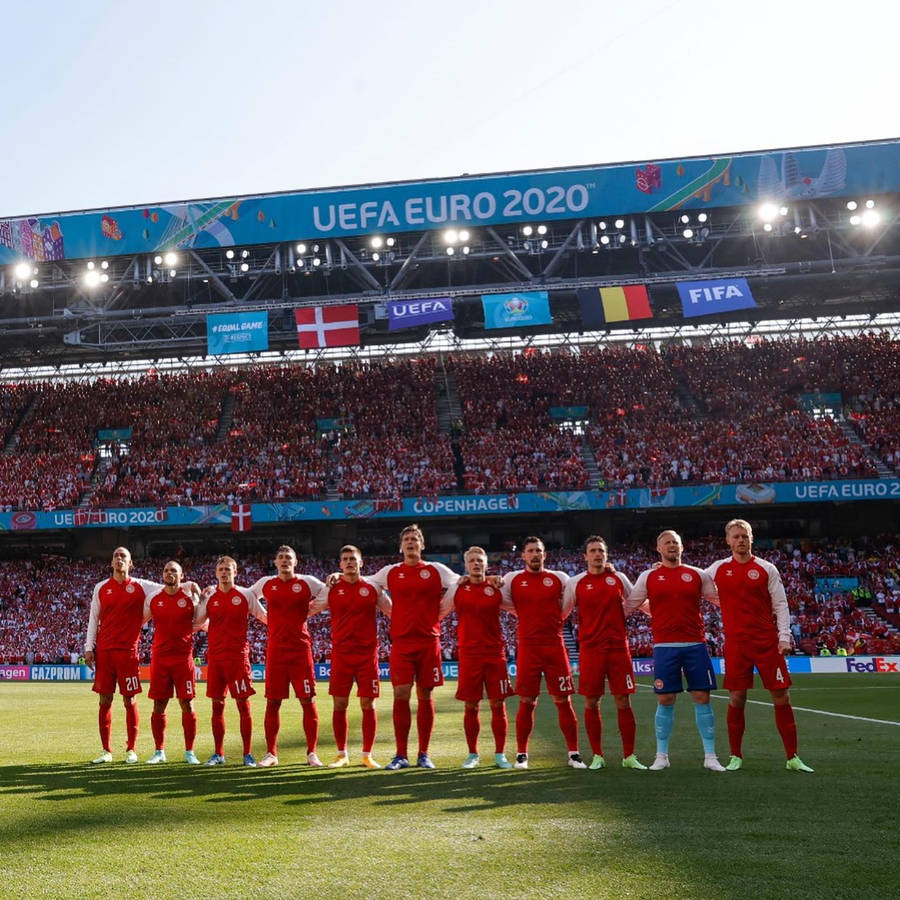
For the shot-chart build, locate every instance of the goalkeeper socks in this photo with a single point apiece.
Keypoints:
(663, 722)
(736, 722)
(706, 725)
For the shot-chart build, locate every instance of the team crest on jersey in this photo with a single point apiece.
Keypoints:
(610, 581)
(363, 592)
(182, 603)
(489, 591)
(686, 576)
(424, 573)
(236, 601)
(548, 582)
(752, 574)
(297, 587)
(129, 588)
(658, 684)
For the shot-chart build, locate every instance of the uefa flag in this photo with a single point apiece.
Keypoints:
(328, 326)
(241, 517)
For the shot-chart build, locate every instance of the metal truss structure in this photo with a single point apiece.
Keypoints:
(810, 263)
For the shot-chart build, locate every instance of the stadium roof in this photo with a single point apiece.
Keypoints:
(138, 283)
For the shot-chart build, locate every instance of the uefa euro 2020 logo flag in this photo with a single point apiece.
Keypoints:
(516, 306)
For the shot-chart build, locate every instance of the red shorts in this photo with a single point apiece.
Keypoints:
(417, 662)
(741, 657)
(480, 674)
(294, 672)
(598, 664)
(230, 676)
(117, 667)
(551, 662)
(172, 674)
(359, 667)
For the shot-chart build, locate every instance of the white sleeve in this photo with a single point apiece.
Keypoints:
(779, 602)
(506, 587)
(627, 586)
(569, 590)
(257, 587)
(448, 576)
(257, 610)
(150, 588)
(313, 583)
(380, 578)
(638, 593)
(90, 640)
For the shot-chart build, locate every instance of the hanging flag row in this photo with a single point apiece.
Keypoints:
(338, 326)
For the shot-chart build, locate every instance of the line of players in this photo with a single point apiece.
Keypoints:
(416, 594)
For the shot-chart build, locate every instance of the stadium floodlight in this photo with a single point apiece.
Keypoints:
(623, 238)
(104, 264)
(245, 267)
(466, 250)
(229, 254)
(22, 271)
(601, 225)
(170, 258)
(851, 205)
(782, 210)
(245, 254)
(688, 233)
(390, 242)
(172, 273)
(768, 212)
(90, 266)
(451, 236)
(542, 229)
(620, 223)
(464, 235)
(870, 204)
(377, 242)
(527, 230)
(300, 248)
(450, 251)
(91, 278)
(157, 260)
(376, 256)
(300, 264)
(104, 277)
(316, 262)
(545, 244)
(33, 283)
(685, 219)
(871, 217)
(703, 217)
(767, 226)
(604, 239)
(855, 220)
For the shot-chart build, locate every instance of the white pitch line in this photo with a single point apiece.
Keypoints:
(821, 712)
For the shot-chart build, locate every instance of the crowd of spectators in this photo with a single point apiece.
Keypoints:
(44, 603)
(683, 414)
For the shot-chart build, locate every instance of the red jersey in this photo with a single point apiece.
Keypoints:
(750, 594)
(416, 593)
(674, 594)
(353, 626)
(537, 597)
(228, 611)
(478, 619)
(601, 614)
(173, 619)
(287, 606)
(117, 614)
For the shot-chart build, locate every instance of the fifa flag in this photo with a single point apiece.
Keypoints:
(701, 298)
(516, 310)
(328, 326)
(605, 305)
(241, 517)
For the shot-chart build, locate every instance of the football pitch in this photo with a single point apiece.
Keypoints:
(70, 829)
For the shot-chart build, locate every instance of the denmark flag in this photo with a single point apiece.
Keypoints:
(328, 326)
(241, 517)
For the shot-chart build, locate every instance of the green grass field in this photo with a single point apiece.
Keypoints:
(68, 829)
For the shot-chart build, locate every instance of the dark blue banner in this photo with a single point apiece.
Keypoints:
(237, 332)
(704, 298)
(409, 313)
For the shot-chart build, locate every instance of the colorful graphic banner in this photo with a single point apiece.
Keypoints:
(409, 313)
(705, 298)
(853, 170)
(522, 310)
(237, 332)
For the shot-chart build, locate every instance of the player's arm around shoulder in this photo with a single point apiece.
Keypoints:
(569, 594)
(448, 576)
(257, 610)
(637, 597)
(506, 597)
(382, 598)
(708, 590)
(319, 602)
(448, 601)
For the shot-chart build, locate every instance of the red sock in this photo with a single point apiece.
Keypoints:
(104, 720)
(626, 729)
(593, 725)
(311, 726)
(246, 723)
(132, 720)
(472, 727)
(218, 727)
(787, 728)
(524, 725)
(189, 725)
(736, 723)
(568, 724)
(340, 727)
(158, 727)
(425, 721)
(272, 726)
(500, 727)
(369, 729)
(402, 724)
